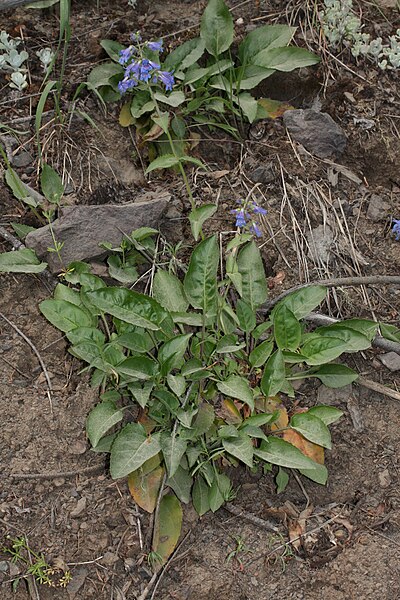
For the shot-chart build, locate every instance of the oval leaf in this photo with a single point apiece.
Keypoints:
(201, 278)
(101, 419)
(167, 527)
(144, 487)
(131, 449)
(216, 27)
(312, 428)
(287, 329)
(238, 388)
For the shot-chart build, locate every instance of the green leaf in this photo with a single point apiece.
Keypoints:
(312, 428)
(363, 326)
(21, 190)
(138, 341)
(64, 315)
(274, 375)
(185, 55)
(262, 38)
(287, 329)
(171, 354)
(168, 291)
(21, 261)
(302, 302)
(173, 448)
(86, 334)
(101, 419)
(219, 491)
(261, 353)
(105, 443)
(335, 376)
(101, 74)
(281, 453)
(238, 388)
(353, 340)
(246, 316)
(319, 474)
(141, 391)
(163, 162)
(216, 27)
(240, 447)
(248, 105)
(138, 367)
(200, 496)
(327, 414)
(181, 483)
(177, 383)
(250, 76)
(319, 349)
(63, 292)
(141, 104)
(251, 268)
(22, 230)
(167, 527)
(173, 99)
(200, 282)
(112, 48)
(204, 419)
(281, 479)
(132, 307)
(229, 343)
(51, 184)
(198, 216)
(119, 271)
(285, 59)
(131, 449)
(390, 332)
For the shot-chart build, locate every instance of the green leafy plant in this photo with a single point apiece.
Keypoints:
(192, 382)
(44, 208)
(211, 85)
(36, 565)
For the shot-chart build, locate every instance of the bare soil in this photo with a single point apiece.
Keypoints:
(90, 522)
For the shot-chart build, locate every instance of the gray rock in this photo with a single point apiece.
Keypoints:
(79, 508)
(83, 228)
(391, 360)
(122, 170)
(320, 241)
(317, 131)
(263, 174)
(23, 159)
(378, 208)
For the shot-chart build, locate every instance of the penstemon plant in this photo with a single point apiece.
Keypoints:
(192, 381)
(207, 85)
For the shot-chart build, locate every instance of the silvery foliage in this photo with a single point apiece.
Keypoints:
(132, 3)
(45, 55)
(342, 26)
(12, 61)
(18, 81)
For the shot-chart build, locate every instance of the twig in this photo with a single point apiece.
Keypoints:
(36, 351)
(15, 242)
(378, 341)
(63, 474)
(265, 524)
(378, 387)
(335, 282)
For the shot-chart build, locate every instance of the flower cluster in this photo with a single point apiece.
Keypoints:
(247, 214)
(140, 69)
(396, 228)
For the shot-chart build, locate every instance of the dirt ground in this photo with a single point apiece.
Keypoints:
(90, 522)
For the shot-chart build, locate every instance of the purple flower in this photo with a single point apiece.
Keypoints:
(126, 54)
(396, 229)
(258, 210)
(155, 46)
(126, 84)
(147, 67)
(136, 37)
(241, 217)
(167, 78)
(254, 228)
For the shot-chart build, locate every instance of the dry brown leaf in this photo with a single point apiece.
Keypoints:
(277, 280)
(308, 448)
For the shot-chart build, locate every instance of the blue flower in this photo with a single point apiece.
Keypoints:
(126, 84)
(396, 229)
(136, 37)
(241, 217)
(254, 228)
(167, 78)
(126, 54)
(155, 46)
(258, 210)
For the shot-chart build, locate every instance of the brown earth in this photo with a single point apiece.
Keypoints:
(90, 522)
